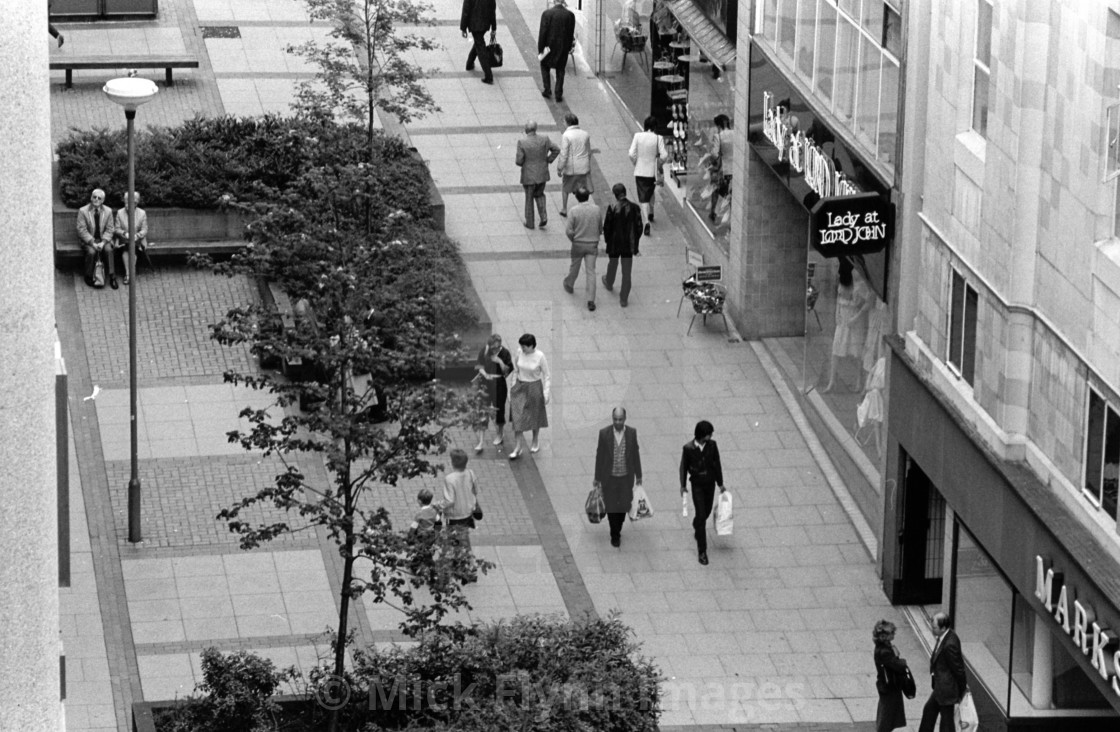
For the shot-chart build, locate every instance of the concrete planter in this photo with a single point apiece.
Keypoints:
(143, 713)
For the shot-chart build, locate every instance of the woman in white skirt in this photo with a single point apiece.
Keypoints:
(529, 394)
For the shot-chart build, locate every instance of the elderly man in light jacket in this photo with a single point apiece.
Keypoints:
(574, 163)
(95, 230)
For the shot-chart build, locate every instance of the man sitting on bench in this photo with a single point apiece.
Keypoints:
(140, 221)
(95, 229)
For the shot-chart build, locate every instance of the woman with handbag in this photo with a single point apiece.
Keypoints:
(529, 394)
(647, 152)
(460, 499)
(890, 671)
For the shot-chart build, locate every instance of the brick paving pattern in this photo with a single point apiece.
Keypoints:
(181, 496)
(175, 307)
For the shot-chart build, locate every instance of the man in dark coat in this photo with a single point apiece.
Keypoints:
(946, 671)
(622, 230)
(480, 16)
(554, 43)
(534, 154)
(618, 464)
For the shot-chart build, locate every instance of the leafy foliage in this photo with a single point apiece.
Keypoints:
(538, 674)
(198, 163)
(367, 67)
(234, 696)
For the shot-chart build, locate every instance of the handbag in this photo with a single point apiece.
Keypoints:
(495, 51)
(99, 273)
(595, 506)
(905, 682)
(640, 507)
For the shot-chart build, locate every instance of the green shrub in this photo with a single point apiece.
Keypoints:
(537, 674)
(249, 158)
(234, 696)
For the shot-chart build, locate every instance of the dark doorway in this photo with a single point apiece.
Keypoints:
(921, 541)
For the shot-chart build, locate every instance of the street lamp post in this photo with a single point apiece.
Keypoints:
(130, 93)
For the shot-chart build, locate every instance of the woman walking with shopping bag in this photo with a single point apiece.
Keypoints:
(700, 464)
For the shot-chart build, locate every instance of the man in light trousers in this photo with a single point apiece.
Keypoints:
(585, 227)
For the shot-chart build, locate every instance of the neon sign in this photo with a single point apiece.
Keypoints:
(803, 154)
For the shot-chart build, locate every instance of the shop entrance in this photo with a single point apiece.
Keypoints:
(921, 544)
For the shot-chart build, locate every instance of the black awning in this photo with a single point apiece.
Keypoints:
(704, 33)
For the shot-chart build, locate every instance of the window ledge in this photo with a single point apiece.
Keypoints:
(969, 154)
(1106, 263)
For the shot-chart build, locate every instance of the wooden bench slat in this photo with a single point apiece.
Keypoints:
(166, 61)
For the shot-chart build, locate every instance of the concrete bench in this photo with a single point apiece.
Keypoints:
(167, 61)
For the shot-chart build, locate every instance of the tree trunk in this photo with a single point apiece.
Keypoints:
(343, 616)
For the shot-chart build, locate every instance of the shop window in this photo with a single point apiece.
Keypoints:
(1102, 453)
(867, 108)
(826, 51)
(983, 609)
(982, 62)
(888, 113)
(806, 37)
(892, 30)
(767, 21)
(962, 328)
(787, 26)
(847, 56)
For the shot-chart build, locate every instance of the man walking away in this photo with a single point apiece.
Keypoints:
(622, 230)
(946, 673)
(554, 43)
(583, 230)
(534, 154)
(618, 464)
(480, 16)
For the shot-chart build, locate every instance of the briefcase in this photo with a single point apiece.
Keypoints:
(495, 51)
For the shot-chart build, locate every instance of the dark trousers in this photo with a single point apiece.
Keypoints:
(929, 716)
(702, 496)
(616, 520)
(478, 50)
(546, 72)
(612, 267)
(91, 255)
(534, 193)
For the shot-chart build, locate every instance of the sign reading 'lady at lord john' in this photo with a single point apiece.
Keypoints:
(849, 225)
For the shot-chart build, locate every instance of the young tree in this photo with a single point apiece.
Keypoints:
(368, 70)
(381, 310)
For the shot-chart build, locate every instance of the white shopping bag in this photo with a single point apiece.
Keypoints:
(966, 717)
(722, 515)
(640, 507)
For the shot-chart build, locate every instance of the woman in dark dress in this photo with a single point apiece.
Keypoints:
(494, 364)
(888, 669)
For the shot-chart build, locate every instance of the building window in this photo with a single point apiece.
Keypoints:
(982, 62)
(1102, 453)
(962, 328)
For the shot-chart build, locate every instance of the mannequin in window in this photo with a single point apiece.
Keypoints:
(853, 301)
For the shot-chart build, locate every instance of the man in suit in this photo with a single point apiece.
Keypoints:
(95, 229)
(557, 36)
(618, 465)
(622, 230)
(946, 671)
(140, 221)
(534, 154)
(585, 226)
(478, 17)
(574, 162)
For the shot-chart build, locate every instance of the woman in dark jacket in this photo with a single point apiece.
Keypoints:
(700, 463)
(889, 669)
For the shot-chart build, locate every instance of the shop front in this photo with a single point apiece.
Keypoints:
(1034, 598)
(684, 77)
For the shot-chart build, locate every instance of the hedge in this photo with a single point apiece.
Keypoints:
(197, 163)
